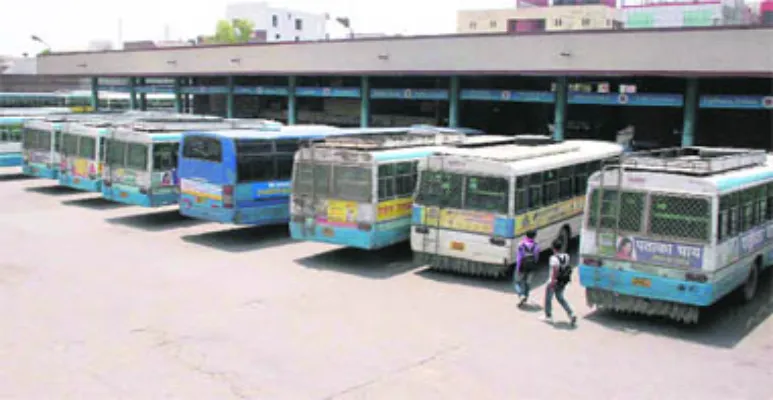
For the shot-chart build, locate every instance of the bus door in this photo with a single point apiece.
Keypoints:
(207, 172)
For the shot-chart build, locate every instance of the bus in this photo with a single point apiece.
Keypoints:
(668, 232)
(83, 145)
(357, 190)
(11, 128)
(140, 165)
(472, 206)
(241, 176)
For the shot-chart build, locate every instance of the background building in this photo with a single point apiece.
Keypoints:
(542, 15)
(690, 13)
(279, 24)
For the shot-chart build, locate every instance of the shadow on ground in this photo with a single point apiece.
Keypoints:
(722, 325)
(55, 190)
(15, 177)
(375, 264)
(156, 221)
(94, 203)
(239, 240)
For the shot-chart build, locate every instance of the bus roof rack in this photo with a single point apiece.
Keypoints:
(392, 139)
(174, 125)
(534, 140)
(694, 160)
(513, 152)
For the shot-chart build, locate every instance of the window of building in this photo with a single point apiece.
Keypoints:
(492, 24)
(473, 25)
(274, 21)
(277, 36)
(586, 22)
(557, 22)
(298, 24)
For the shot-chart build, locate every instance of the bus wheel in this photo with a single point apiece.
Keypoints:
(564, 236)
(752, 281)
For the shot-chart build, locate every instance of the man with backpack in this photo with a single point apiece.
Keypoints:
(559, 277)
(525, 263)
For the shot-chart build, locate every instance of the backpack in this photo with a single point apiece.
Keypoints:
(564, 269)
(528, 262)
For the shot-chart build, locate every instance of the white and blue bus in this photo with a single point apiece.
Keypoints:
(668, 232)
(12, 128)
(357, 191)
(241, 176)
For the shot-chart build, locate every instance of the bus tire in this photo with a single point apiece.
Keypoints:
(749, 289)
(564, 236)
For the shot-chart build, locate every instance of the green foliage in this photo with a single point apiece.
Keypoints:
(236, 31)
(44, 52)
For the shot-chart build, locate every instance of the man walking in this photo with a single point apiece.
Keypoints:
(559, 276)
(525, 263)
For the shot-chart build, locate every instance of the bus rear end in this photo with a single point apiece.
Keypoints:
(460, 223)
(40, 149)
(647, 247)
(80, 159)
(126, 174)
(10, 141)
(333, 200)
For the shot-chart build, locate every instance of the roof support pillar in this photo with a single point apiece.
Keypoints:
(95, 93)
(229, 99)
(132, 93)
(690, 112)
(364, 102)
(291, 105)
(143, 96)
(559, 119)
(453, 102)
(178, 98)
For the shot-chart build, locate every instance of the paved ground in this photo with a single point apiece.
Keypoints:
(102, 301)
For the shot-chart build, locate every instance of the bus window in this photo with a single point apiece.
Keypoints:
(405, 179)
(723, 223)
(565, 180)
(254, 161)
(441, 189)
(352, 183)
(580, 179)
(69, 144)
(487, 193)
(680, 217)
(287, 146)
(284, 167)
(87, 148)
(203, 148)
(386, 184)
(116, 153)
(137, 156)
(322, 180)
(631, 211)
(16, 134)
(521, 194)
(303, 181)
(165, 156)
(535, 190)
(57, 141)
(550, 187)
(44, 140)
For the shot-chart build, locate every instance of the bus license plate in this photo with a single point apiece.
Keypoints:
(327, 232)
(457, 246)
(642, 282)
(124, 195)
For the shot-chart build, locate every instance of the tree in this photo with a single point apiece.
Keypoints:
(236, 31)
(45, 52)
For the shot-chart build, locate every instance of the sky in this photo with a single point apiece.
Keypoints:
(71, 24)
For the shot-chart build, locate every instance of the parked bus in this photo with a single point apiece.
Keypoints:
(670, 231)
(11, 128)
(473, 206)
(357, 191)
(83, 144)
(241, 176)
(141, 161)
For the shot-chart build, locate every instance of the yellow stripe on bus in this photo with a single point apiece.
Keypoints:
(545, 216)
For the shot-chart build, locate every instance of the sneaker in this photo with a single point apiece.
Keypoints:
(546, 318)
(573, 320)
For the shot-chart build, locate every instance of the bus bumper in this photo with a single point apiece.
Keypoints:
(80, 183)
(637, 284)
(40, 171)
(132, 196)
(248, 216)
(378, 237)
(11, 160)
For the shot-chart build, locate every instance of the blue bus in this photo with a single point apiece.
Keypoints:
(357, 191)
(140, 165)
(241, 177)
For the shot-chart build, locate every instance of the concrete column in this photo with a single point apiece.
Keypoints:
(229, 99)
(95, 94)
(178, 99)
(691, 100)
(143, 97)
(132, 93)
(562, 97)
(453, 102)
(292, 111)
(364, 102)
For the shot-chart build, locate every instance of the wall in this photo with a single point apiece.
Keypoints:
(41, 84)
(558, 18)
(279, 23)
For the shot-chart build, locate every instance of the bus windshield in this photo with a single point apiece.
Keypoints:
(680, 217)
(165, 156)
(36, 139)
(442, 189)
(137, 156)
(353, 183)
(69, 144)
(116, 153)
(203, 148)
(312, 179)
